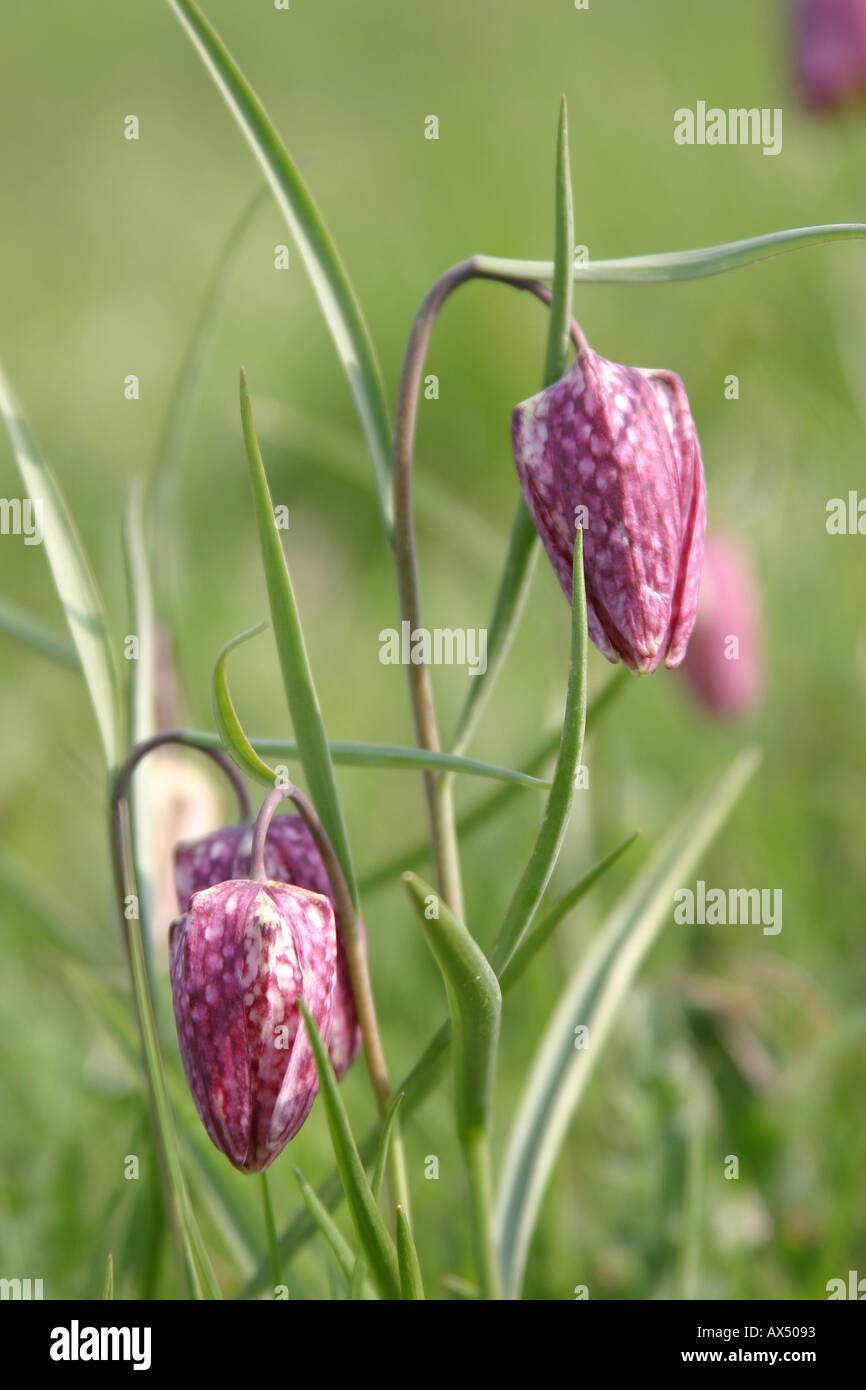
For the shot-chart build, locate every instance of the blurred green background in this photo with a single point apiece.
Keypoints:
(741, 1043)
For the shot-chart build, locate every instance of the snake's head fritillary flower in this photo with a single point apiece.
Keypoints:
(831, 51)
(724, 662)
(242, 956)
(614, 450)
(291, 856)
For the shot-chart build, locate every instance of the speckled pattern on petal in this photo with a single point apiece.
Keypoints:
(621, 443)
(240, 958)
(291, 856)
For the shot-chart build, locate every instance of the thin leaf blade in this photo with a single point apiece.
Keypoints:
(545, 851)
(411, 1281)
(73, 577)
(559, 1072)
(294, 663)
(331, 284)
(377, 1246)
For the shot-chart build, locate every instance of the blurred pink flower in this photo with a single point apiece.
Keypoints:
(831, 51)
(724, 661)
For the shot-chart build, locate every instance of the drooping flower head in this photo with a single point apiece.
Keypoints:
(242, 956)
(614, 449)
(291, 856)
(724, 663)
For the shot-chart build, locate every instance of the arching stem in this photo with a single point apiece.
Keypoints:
(440, 812)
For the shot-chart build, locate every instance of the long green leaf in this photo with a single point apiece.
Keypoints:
(560, 1070)
(682, 265)
(38, 635)
(508, 606)
(141, 699)
(229, 728)
(331, 284)
(378, 1248)
(212, 1187)
(489, 808)
(161, 503)
(411, 1282)
(523, 542)
(540, 935)
(294, 663)
(559, 327)
(388, 1122)
(386, 756)
(108, 1286)
(342, 1251)
(474, 1001)
(545, 851)
(72, 575)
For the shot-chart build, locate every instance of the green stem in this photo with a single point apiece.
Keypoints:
(440, 811)
(189, 1245)
(476, 1152)
(271, 1233)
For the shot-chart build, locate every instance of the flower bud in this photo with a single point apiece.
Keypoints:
(241, 958)
(724, 662)
(291, 856)
(614, 450)
(831, 51)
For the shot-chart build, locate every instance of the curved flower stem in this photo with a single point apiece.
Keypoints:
(184, 740)
(440, 810)
(189, 1246)
(356, 959)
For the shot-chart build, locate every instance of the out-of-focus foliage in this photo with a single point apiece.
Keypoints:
(736, 1043)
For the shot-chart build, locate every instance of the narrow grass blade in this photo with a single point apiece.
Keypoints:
(141, 718)
(540, 935)
(560, 1071)
(356, 1288)
(72, 575)
(342, 1251)
(523, 543)
(386, 756)
(384, 1142)
(683, 265)
(297, 676)
(507, 608)
(108, 1286)
(377, 1246)
(211, 1187)
(474, 1001)
(490, 807)
(411, 1282)
(38, 635)
(229, 727)
(545, 852)
(328, 277)
(161, 503)
(559, 328)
